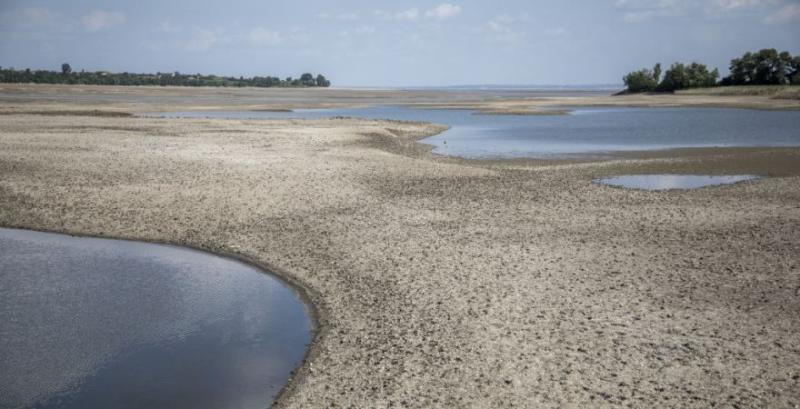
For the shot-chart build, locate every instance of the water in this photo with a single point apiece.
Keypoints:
(667, 181)
(584, 131)
(96, 323)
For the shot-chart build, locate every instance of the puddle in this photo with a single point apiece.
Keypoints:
(667, 181)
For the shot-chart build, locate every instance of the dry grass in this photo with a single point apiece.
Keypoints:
(773, 91)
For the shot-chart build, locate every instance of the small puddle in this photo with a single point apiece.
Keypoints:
(668, 181)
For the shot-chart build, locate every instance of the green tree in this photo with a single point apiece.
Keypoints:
(699, 76)
(307, 79)
(675, 78)
(66, 69)
(794, 75)
(657, 72)
(767, 62)
(742, 69)
(322, 81)
(680, 76)
(640, 81)
(764, 67)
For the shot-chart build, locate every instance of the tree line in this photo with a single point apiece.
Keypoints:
(68, 76)
(764, 67)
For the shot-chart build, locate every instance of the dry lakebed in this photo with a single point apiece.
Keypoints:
(437, 281)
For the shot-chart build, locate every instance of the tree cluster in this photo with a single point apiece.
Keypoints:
(68, 76)
(678, 76)
(765, 67)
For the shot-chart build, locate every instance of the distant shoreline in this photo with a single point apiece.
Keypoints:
(133, 99)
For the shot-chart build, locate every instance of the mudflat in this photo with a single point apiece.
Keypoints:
(441, 282)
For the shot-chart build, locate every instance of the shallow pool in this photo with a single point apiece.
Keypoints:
(97, 323)
(668, 181)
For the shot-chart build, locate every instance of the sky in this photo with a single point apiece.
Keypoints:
(394, 43)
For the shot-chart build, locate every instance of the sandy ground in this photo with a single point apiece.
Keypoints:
(450, 283)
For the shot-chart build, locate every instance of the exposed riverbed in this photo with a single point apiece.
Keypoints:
(448, 283)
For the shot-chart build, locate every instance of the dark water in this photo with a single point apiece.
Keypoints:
(667, 181)
(584, 131)
(94, 323)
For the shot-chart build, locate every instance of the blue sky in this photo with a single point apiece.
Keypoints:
(394, 43)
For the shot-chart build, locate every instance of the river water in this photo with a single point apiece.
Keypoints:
(584, 131)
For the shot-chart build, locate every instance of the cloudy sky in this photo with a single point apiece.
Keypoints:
(394, 43)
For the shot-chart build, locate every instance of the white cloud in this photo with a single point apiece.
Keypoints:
(787, 14)
(411, 14)
(358, 31)
(653, 4)
(722, 7)
(167, 27)
(637, 11)
(341, 16)
(202, 40)
(730, 5)
(556, 32)
(499, 30)
(347, 16)
(364, 30)
(41, 23)
(443, 11)
(494, 26)
(639, 16)
(37, 16)
(260, 36)
(100, 20)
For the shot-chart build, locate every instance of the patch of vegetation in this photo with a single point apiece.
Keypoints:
(68, 76)
(765, 67)
(773, 91)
